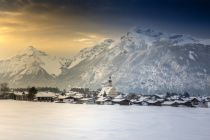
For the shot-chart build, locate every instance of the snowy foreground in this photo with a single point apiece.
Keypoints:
(21, 120)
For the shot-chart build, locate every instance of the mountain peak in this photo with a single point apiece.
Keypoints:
(148, 32)
(149, 36)
(31, 50)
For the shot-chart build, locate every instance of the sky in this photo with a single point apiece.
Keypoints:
(63, 27)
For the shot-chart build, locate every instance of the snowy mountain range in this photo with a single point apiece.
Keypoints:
(143, 61)
(31, 67)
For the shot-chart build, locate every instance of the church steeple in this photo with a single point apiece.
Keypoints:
(110, 81)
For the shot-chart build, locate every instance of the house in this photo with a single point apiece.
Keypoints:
(177, 103)
(21, 95)
(195, 101)
(69, 99)
(108, 90)
(86, 101)
(170, 103)
(46, 96)
(121, 100)
(155, 97)
(142, 100)
(136, 102)
(154, 102)
(6, 95)
(208, 98)
(72, 97)
(186, 103)
(61, 99)
(104, 101)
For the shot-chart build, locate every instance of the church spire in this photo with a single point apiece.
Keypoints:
(110, 81)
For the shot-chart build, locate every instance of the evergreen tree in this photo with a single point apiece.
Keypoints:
(31, 93)
(186, 95)
(104, 95)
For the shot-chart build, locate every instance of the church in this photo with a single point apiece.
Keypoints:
(108, 90)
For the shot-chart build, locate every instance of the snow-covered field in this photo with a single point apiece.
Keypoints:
(50, 121)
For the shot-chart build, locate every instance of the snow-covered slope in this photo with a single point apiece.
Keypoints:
(90, 53)
(31, 67)
(144, 61)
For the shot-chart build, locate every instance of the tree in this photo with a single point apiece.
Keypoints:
(104, 95)
(132, 96)
(168, 95)
(186, 94)
(4, 88)
(31, 93)
(63, 92)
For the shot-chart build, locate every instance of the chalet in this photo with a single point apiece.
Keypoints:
(21, 95)
(136, 102)
(121, 100)
(86, 101)
(195, 101)
(170, 103)
(46, 96)
(141, 101)
(108, 90)
(208, 98)
(144, 98)
(6, 95)
(155, 97)
(177, 103)
(61, 99)
(104, 101)
(71, 97)
(154, 102)
(186, 103)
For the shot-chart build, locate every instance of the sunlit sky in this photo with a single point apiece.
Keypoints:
(63, 27)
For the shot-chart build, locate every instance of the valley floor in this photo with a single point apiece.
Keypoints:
(21, 120)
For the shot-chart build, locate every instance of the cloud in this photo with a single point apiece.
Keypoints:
(10, 14)
(82, 40)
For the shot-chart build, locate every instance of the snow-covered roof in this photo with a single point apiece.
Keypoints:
(160, 95)
(102, 99)
(78, 95)
(175, 97)
(46, 94)
(86, 99)
(198, 98)
(143, 98)
(104, 90)
(152, 101)
(134, 100)
(109, 90)
(168, 102)
(172, 102)
(161, 100)
(71, 93)
(20, 93)
(119, 98)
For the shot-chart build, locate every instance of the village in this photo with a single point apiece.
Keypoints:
(108, 95)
